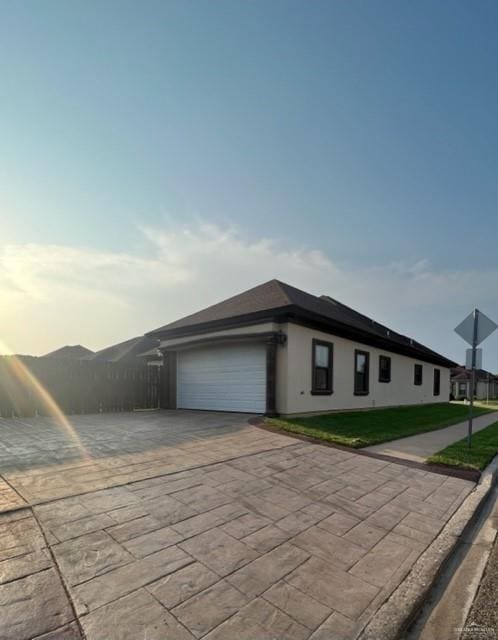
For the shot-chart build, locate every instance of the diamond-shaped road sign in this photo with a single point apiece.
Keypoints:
(485, 327)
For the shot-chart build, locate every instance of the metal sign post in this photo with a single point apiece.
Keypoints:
(473, 375)
(474, 329)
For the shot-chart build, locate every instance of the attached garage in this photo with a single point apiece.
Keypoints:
(275, 349)
(222, 378)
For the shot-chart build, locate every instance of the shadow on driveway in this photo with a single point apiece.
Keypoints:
(43, 461)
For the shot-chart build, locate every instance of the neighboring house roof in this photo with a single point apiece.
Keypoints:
(275, 300)
(126, 351)
(462, 374)
(69, 352)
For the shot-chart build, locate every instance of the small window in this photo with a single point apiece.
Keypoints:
(322, 367)
(437, 382)
(384, 369)
(361, 372)
(417, 379)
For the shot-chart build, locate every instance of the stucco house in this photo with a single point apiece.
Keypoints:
(275, 349)
(486, 384)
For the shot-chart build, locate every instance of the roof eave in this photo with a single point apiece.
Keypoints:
(292, 313)
(224, 323)
(358, 335)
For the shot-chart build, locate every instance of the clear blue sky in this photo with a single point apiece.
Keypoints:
(365, 130)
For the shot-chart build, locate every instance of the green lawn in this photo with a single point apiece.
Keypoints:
(484, 449)
(363, 428)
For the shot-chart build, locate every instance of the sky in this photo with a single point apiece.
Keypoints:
(157, 157)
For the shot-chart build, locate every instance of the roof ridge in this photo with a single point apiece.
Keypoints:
(330, 299)
(285, 287)
(389, 332)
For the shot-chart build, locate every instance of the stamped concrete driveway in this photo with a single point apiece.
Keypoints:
(188, 525)
(44, 458)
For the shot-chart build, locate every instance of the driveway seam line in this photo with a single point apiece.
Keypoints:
(33, 573)
(160, 475)
(55, 565)
(170, 611)
(260, 595)
(18, 493)
(123, 595)
(311, 629)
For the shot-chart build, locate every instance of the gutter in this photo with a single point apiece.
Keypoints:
(297, 315)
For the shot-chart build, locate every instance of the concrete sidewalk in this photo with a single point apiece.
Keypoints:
(423, 445)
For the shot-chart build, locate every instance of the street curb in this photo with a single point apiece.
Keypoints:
(399, 610)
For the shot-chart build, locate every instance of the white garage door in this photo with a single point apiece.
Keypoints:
(225, 378)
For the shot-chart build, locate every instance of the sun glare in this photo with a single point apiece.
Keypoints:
(30, 382)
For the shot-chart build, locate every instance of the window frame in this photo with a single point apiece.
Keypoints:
(362, 392)
(437, 376)
(417, 367)
(387, 359)
(315, 342)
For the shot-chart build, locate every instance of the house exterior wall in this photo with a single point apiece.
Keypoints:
(294, 376)
(483, 389)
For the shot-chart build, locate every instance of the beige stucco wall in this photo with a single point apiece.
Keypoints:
(294, 376)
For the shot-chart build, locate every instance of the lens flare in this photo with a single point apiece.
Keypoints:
(30, 382)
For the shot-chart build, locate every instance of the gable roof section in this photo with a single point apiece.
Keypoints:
(280, 302)
(69, 352)
(462, 374)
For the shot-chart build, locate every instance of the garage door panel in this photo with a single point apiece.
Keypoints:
(229, 378)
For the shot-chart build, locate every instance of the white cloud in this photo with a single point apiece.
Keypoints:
(54, 295)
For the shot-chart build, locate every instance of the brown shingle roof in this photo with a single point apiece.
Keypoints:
(278, 299)
(264, 297)
(461, 373)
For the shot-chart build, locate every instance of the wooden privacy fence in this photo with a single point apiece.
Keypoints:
(28, 384)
